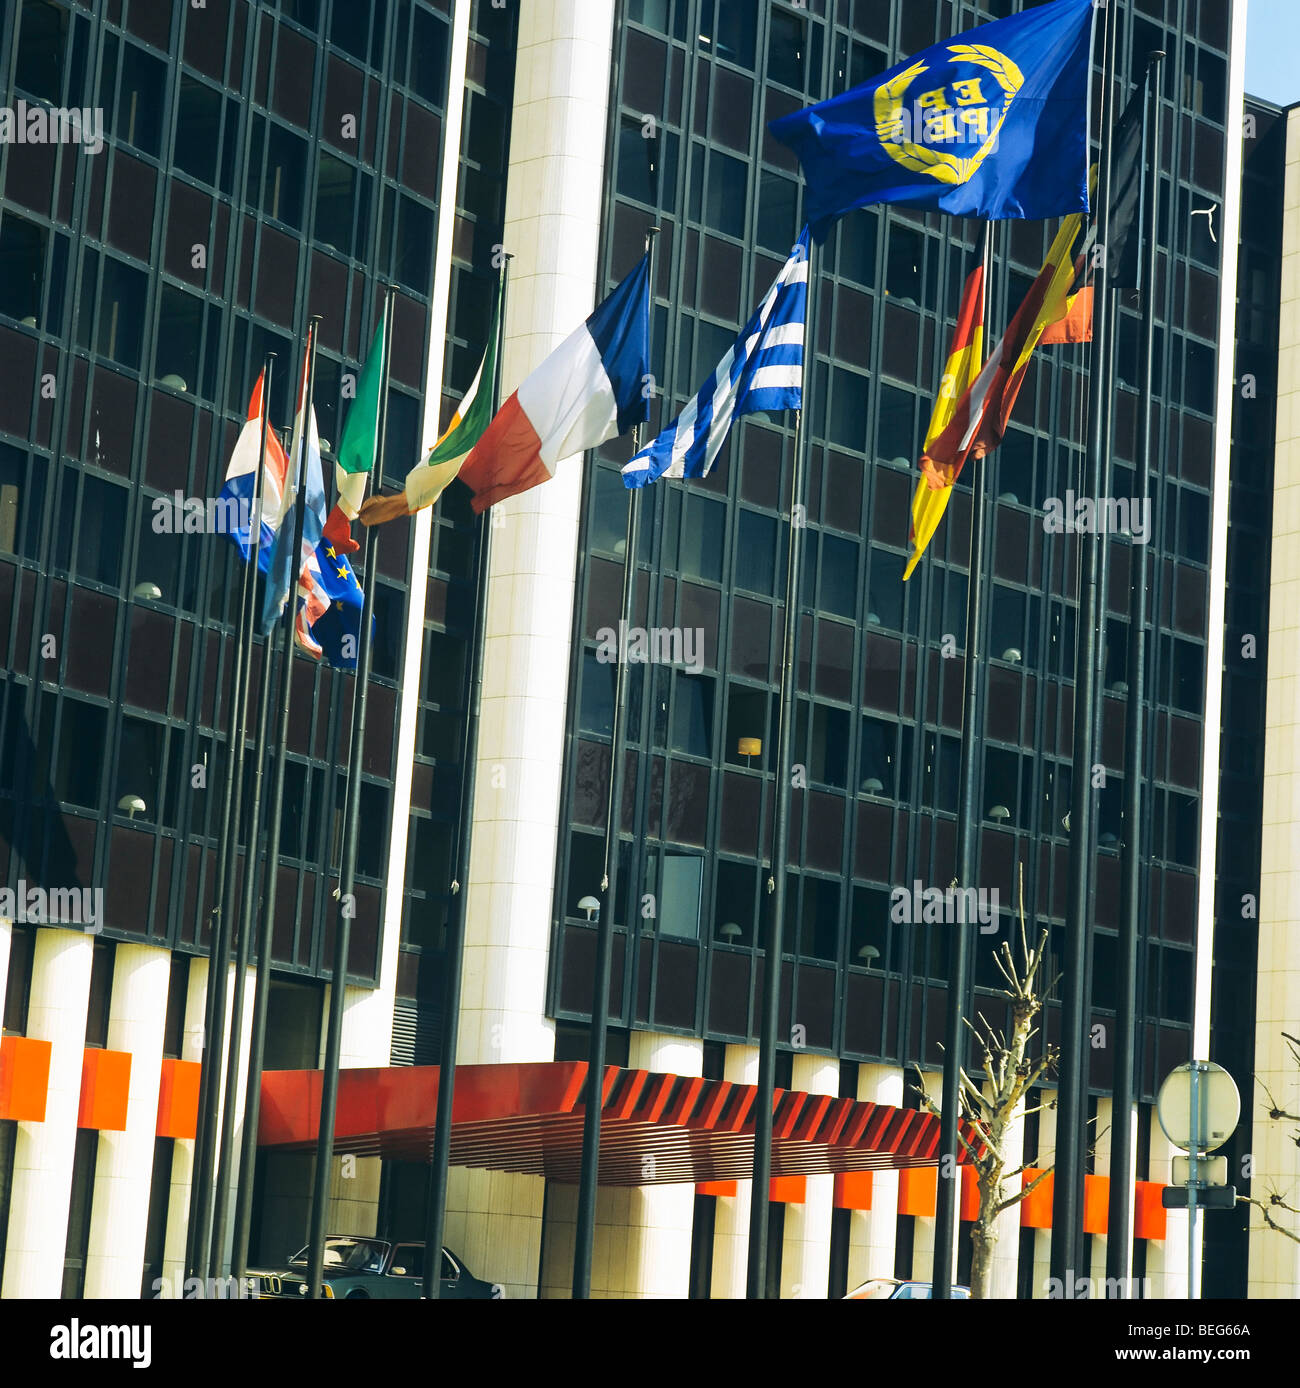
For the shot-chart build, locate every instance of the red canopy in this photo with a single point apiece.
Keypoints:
(656, 1129)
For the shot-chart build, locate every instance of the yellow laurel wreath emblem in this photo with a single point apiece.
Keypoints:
(921, 158)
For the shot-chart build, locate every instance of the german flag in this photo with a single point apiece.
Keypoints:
(965, 358)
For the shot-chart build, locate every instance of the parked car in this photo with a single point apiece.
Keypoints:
(360, 1269)
(895, 1289)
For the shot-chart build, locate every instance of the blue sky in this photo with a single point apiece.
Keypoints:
(1272, 71)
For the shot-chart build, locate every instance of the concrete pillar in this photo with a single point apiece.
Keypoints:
(1045, 1156)
(1274, 1259)
(178, 1205)
(119, 1214)
(806, 1250)
(1102, 1141)
(873, 1233)
(178, 1211)
(657, 1261)
(366, 1043)
(43, 1152)
(1167, 1257)
(731, 1220)
(553, 199)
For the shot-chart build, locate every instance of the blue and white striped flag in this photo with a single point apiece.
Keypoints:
(762, 372)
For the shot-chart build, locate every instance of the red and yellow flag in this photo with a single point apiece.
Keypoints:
(965, 358)
(980, 418)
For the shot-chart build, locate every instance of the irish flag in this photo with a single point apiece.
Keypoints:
(426, 482)
(590, 389)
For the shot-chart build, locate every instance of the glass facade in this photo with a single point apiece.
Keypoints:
(260, 163)
(880, 673)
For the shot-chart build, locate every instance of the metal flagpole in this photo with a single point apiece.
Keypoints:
(760, 1194)
(435, 1217)
(1067, 1198)
(968, 824)
(262, 982)
(242, 923)
(199, 1232)
(1119, 1238)
(588, 1180)
(351, 826)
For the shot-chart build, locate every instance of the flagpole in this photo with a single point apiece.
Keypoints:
(351, 826)
(760, 1194)
(199, 1232)
(242, 923)
(1067, 1196)
(1119, 1260)
(262, 982)
(454, 950)
(589, 1176)
(968, 824)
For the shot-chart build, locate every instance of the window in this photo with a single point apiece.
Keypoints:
(428, 76)
(276, 174)
(787, 50)
(42, 44)
(727, 30)
(138, 791)
(724, 195)
(197, 140)
(18, 987)
(137, 114)
(22, 253)
(777, 213)
(22, 494)
(678, 898)
(120, 315)
(693, 715)
(342, 206)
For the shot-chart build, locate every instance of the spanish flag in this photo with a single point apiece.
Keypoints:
(980, 419)
(964, 361)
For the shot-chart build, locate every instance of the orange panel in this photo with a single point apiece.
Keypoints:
(1148, 1213)
(917, 1190)
(852, 1190)
(105, 1084)
(788, 1190)
(24, 1078)
(1036, 1207)
(1096, 1204)
(716, 1187)
(970, 1193)
(178, 1098)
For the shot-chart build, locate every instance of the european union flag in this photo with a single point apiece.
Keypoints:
(337, 630)
(991, 124)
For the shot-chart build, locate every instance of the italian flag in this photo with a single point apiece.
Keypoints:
(427, 481)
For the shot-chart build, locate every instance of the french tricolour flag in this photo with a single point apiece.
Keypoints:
(241, 481)
(590, 389)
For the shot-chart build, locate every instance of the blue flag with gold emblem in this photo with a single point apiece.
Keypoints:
(992, 123)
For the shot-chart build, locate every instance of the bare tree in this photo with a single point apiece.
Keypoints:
(1276, 1201)
(1011, 1074)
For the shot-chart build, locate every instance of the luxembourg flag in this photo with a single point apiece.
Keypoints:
(590, 389)
(238, 494)
(305, 450)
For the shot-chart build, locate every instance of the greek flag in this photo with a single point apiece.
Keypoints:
(762, 372)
